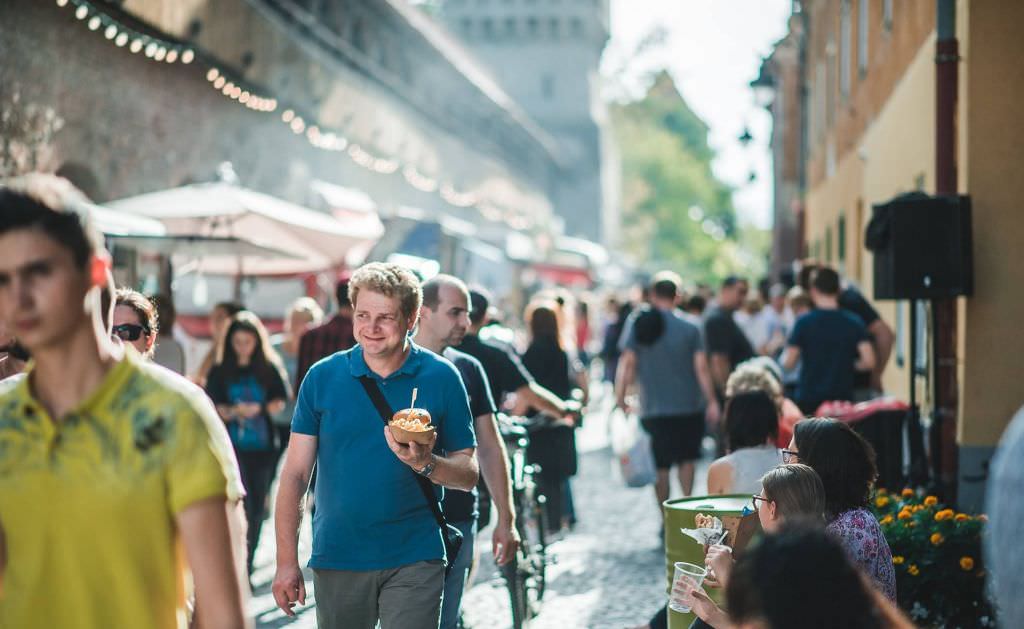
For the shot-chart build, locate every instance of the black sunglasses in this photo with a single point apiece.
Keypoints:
(129, 331)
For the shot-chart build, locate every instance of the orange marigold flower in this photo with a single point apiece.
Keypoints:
(967, 563)
(960, 517)
(886, 520)
(936, 539)
(881, 501)
(917, 508)
(911, 524)
(904, 514)
(913, 571)
(898, 560)
(945, 514)
(931, 501)
(881, 491)
(907, 492)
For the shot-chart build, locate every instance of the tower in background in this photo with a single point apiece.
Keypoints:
(546, 54)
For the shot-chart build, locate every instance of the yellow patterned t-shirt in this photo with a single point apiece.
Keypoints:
(88, 506)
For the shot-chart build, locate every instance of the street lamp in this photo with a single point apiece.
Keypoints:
(764, 87)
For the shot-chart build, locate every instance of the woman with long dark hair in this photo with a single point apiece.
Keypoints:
(553, 443)
(248, 385)
(846, 464)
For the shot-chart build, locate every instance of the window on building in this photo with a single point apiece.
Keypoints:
(532, 26)
(511, 27)
(841, 240)
(466, 24)
(828, 245)
(576, 27)
(547, 87)
(830, 84)
(845, 42)
(863, 30)
(820, 100)
(887, 14)
(487, 25)
(554, 28)
(901, 334)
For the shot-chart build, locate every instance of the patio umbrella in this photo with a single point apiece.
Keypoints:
(317, 241)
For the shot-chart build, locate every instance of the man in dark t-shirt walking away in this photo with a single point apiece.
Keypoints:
(832, 343)
(666, 358)
(444, 320)
(727, 345)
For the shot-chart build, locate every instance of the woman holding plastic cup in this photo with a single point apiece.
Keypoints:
(788, 491)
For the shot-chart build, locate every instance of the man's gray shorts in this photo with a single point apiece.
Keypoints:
(408, 597)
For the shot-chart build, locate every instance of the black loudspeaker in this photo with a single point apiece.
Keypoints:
(922, 246)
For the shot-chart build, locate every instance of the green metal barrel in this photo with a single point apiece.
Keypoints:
(681, 514)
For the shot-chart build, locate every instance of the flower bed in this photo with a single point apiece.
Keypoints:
(940, 573)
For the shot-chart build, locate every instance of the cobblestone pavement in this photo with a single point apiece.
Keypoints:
(608, 572)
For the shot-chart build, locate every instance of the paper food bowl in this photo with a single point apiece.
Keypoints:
(408, 417)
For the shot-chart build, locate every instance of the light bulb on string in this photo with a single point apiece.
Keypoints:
(160, 53)
(62, 3)
(110, 32)
(187, 56)
(82, 12)
(136, 45)
(219, 83)
(121, 40)
(151, 49)
(172, 56)
(212, 74)
(95, 23)
(287, 115)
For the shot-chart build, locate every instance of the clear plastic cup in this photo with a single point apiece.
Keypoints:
(688, 576)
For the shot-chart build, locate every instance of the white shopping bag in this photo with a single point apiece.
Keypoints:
(632, 447)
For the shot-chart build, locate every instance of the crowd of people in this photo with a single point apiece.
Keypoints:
(139, 494)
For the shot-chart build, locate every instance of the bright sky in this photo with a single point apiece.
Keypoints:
(713, 50)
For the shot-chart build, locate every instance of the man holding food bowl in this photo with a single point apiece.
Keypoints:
(378, 552)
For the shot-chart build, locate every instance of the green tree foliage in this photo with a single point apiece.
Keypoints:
(671, 198)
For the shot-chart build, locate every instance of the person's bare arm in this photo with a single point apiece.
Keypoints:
(289, 586)
(541, 399)
(790, 357)
(458, 470)
(720, 369)
(865, 356)
(212, 532)
(494, 467)
(624, 376)
(719, 478)
(700, 366)
(884, 340)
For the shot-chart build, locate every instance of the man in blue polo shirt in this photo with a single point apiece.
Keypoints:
(377, 550)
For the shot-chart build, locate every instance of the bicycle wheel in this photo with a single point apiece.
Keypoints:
(519, 597)
(538, 545)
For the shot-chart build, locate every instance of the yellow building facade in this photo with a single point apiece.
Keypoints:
(871, 136)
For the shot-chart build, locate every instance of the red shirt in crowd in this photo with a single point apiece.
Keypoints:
(331, 336)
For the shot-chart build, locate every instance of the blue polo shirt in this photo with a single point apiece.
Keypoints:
(370, 513)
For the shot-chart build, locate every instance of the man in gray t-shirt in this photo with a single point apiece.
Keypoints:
(663, 352)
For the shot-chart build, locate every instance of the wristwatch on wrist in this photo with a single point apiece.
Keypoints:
(428, 469)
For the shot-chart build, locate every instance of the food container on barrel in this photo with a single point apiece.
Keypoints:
(681, 514)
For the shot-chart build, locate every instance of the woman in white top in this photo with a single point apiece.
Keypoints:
(751, 427)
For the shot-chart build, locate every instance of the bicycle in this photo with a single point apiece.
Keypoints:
(525, 574)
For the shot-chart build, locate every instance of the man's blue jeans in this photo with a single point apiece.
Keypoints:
(455, 582)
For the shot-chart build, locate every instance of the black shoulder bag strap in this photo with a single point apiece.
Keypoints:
(452, 536)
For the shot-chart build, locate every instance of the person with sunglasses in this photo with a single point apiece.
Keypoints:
(135, 321)
(788, 492)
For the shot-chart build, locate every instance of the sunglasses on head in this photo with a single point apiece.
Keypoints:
(129, 331)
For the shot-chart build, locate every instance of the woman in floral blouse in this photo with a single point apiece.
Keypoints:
(846, 464)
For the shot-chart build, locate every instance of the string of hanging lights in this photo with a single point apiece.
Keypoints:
(239, 90)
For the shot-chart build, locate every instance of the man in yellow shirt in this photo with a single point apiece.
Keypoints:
(115, 474)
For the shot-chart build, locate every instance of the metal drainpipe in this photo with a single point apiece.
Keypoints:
(944, 313)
